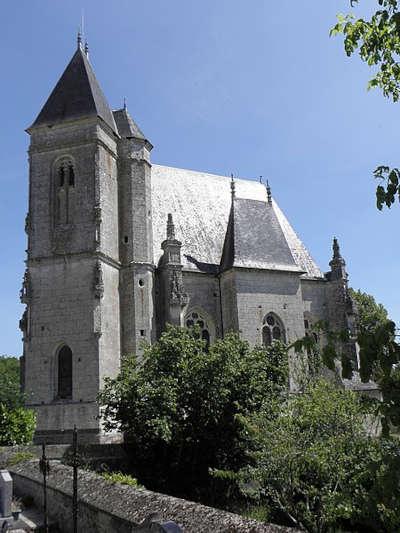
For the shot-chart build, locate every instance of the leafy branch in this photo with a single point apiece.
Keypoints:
(377, 42)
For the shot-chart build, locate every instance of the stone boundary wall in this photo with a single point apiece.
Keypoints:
(105, 507)
(114, 456)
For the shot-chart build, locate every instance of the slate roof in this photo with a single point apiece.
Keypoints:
(255, 238)
(127, 127)
(76, 95)
(200, 204)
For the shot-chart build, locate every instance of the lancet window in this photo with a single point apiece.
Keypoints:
(64, 385)
(272, 329)
(65, 191)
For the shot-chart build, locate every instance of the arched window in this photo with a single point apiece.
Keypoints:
(64, 373)
(272, 330)
(65, 191)
(194, 318)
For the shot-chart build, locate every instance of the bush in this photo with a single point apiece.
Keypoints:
(119, 477)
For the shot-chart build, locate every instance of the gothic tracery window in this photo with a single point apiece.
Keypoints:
(195, 319)
(64, 384)
(65, 190)
(272, 330)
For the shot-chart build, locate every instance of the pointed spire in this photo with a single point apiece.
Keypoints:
(337, 262)
(170, 228)
(76, 95)
(269, 194)
(233, 189)
(125, 106)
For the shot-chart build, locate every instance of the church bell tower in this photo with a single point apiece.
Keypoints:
(71, 326)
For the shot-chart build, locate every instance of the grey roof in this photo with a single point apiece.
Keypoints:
(127, 127)
(201, 204)
(255, 239)
(76, 95)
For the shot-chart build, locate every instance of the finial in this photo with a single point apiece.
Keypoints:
(260, 179)
(124, 103)
(269, 194)
(87, 49)
(336, 249)
(79, 39)
(170, 228)
(233, 191)
(337, 262)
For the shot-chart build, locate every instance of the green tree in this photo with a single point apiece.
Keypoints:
(178, 406)
(16, 423)
(377, 41)
(370, 313)
(316, 465)
(10, 393)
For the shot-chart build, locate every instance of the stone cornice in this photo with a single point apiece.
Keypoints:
(78, 255)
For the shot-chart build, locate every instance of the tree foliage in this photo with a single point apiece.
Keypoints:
(16, 423)
(10, 393)
(377, 41)
(370, 313)
(316, 464)
(179, 406)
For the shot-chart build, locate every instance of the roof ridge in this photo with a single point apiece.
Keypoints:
(256, 181)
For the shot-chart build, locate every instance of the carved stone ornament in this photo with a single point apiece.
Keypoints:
(140, 155)
(97, 221)
(61, 238)
(26, 289)
(177, 294)
(27, 223)
(97, 213)
(98, 285)
(23, 323)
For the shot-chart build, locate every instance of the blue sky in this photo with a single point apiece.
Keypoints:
(252, 87)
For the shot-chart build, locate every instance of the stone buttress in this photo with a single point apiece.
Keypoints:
(135, 237)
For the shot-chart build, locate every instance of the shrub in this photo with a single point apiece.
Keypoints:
(119, 477)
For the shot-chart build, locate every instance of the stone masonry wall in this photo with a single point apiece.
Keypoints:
(315, 299)
(62, 312)
(106, 508)
(63, 305)
(262, 292)
(203, 293)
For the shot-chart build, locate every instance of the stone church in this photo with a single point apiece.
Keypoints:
(118, 247)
